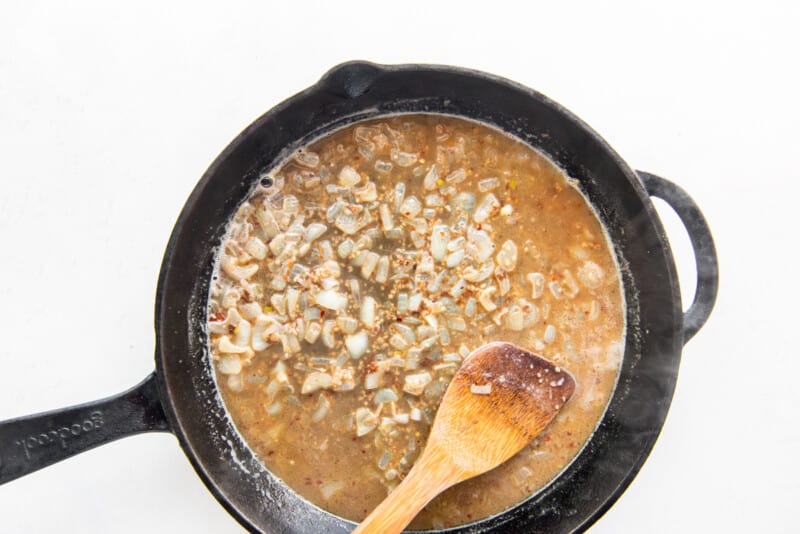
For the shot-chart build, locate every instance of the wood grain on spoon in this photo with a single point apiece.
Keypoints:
(501, 398)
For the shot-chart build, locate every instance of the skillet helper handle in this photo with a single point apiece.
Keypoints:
(705, 254)
(30, 443)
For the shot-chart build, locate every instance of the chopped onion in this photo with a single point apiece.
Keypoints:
(485, 298)
(327, 333)
(348, 176)
(507, 257)
(537, 284)
(348, 325)
(549, 334)
(591, 275)
(372, 381)
(229, 365)
(316, 381)
(387, 221)
(384, 395)
(236, 271)
(366, 193)
(227, 347)
(486, 208)
(366, 421)
(429, 182)
(331, 299)
(415, 384)
(330, 488)
(356, 344)
(515, 318)
(410, 207)
(312, 333)
(323, 406)
(369, 312)
(440, 235)
(314, 231)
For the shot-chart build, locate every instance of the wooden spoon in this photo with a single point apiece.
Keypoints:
(499, 400)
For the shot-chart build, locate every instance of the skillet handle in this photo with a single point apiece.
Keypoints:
(35, 441)
(705, 254)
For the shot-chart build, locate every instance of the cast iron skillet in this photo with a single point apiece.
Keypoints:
(181, 397)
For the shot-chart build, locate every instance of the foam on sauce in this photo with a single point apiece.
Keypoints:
(344, 302)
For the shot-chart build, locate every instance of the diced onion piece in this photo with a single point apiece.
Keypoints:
(292, 297)
(410, 207)
(345, 248)
(348, 176)
(313, 331)
(485, 298)
(250, 310)
(549, 334)
(591, 275)
(323, 406)
(314, 231)
(366, 193)
(415, 414)
(236, 271)
(327, 333)
(331, 299)
(507, 256)
(257, 340)
(555, 289)
(348, 325)
(456, 177)
(369, 312)
(401, 418)
(226, 346)
(384, 395)
(487, 184)
(414, 384)
(429, 182)
(399, 195)
(537, 284)
(387, 221)
(316, 381)
(485, 389)
(366, 421)
(458, 288)
(242, 333)
(356, 344)
(372, 381)
(486, 208)
(290, 342)
(235, 383)
(440, 235)
(483, 246)
(382, 271)
(414, 302)
(256, 248)
(229, 365)
(455, 258)
(515, 318)
(370, 262)
(330, 488)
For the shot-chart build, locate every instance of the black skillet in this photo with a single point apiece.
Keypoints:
(181, 396)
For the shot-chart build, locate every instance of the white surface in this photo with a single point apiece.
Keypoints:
(108, 117)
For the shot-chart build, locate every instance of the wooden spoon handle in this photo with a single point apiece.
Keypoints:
(432, 474)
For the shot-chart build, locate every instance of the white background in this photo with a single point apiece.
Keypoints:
(108, 117)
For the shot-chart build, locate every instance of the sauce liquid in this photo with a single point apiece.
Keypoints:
(556, 233)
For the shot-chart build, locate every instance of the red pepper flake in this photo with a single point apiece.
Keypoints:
(231, 328)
